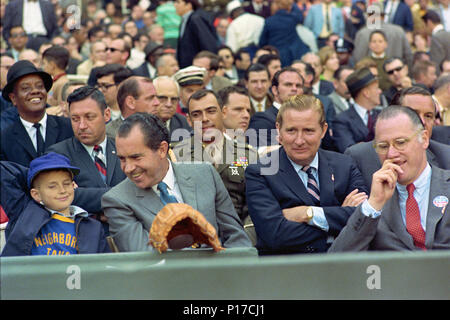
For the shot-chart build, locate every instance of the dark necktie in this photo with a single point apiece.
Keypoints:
(39, 140)
(413, 225)
(370, 125)
(327, 18)
(99, 163)
(164, 194)
(312, 187)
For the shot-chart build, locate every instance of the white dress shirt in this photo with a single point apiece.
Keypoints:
(172, 186)
(32, 18)
(32, 130)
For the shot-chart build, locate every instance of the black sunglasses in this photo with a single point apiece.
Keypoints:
(391, 72)
(113, 49)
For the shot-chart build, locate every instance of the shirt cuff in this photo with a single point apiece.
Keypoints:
(369, 211)
(319, 219)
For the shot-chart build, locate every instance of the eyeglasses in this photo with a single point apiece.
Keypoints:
(164, 99)
(113, 49)
(400, 144)
(105, 86)
(18, 35)
(391, 72)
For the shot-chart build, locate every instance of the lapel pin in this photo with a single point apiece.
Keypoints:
(440, 202)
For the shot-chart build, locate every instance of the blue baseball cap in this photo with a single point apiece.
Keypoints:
(49, 161)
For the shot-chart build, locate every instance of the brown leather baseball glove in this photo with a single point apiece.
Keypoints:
(178, 225)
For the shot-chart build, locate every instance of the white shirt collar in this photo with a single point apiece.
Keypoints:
(420, 183)
(362, 112)
(436, 29)
(277, 105)
(74, 211)
(90, 149)
(169, 179)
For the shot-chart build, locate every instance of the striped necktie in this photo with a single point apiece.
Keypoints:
(312, 187)
(99, 163)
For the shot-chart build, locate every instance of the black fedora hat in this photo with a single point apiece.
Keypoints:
(24, 68)
(359, 79)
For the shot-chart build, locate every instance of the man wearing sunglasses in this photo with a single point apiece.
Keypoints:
(408, 204)
(397, 73)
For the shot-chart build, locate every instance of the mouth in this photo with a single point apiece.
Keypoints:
(35, 100)
(63, 198)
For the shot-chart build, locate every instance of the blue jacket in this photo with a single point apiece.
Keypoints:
(280, 31)
(315, 20)
(89, 232)
(268, 195)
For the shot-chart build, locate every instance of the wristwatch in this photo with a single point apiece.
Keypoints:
(309, 213)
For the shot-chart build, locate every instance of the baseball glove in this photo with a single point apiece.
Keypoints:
(178, 225)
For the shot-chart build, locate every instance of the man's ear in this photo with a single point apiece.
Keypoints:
(35, 195)
(107, 114)
(130, 102)
(12, 97)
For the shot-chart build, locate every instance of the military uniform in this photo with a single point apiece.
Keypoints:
(236, 156)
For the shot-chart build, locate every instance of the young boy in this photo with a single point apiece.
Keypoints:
(377, 45)
(51, 225)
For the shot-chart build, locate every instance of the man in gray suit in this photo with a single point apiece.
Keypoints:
(440, 38)
(408, 204)
(438, 154)
(142, 146)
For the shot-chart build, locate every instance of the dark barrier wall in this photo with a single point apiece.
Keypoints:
(232, 274)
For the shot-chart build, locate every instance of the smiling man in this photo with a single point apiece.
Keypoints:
(90, 149)
(33, 132)
(408, 204)
(307, 201)
(142, 146)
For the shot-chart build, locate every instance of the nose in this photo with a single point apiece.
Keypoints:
(392, 152)
(128, 167)
(83, 124)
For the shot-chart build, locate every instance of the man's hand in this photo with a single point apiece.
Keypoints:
(354, 199)
(296, 214)
(55, 111)
(383, 184)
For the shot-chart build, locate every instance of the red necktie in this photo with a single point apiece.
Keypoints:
(413, 225)
(98, 153)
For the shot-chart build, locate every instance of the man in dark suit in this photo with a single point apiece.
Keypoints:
(286, 83)
(37, 17)
(197, 32)
(148, 69)
(90, 149)
(356, 124)
(438, 154)
(257, 82)
(408, 204)
(319, 86)
(33, 132)
(168, 93)
(399, 13)
(305, 196)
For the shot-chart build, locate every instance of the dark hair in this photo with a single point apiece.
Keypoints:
(200, 94)
(195, 4)
(276, 76)
(59, 55)
(67, 85)
(257, 67)
(266, 59)
(421, 67)
(93, 31)
(152, 128)
(88, 92)
(238, 54)
(337, 73)
(108, 69)
(381, 32)
(213, 58)
(130, 87)
(224, 93)
(122, 74)
(390, 60)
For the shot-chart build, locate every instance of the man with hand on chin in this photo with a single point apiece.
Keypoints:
(408, 204)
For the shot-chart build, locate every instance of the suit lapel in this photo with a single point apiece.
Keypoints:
(393, 218)
(111, 161)
(149, 199)
(23, 138)
(291, 179)
(51, 133)
(357, 122)
(440, 186)
(87, 162)
(186, 185)
(326, 180)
